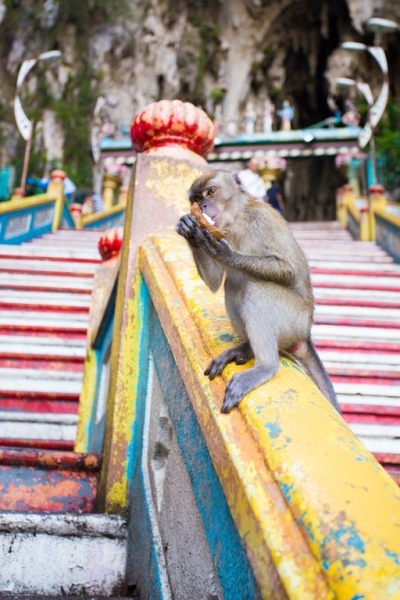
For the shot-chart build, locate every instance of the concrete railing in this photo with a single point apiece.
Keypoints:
(278, 498)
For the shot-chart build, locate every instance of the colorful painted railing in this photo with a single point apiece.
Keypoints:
(370, 219)
(387, 226)
(112, 217)
(92, 401)
(279, 498)
(22, 219)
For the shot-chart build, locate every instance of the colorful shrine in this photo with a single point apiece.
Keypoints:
(116, 463)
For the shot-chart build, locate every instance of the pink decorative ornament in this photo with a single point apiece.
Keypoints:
(173, 128)
(110, 243)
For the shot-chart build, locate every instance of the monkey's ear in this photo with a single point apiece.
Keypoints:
(237, 181)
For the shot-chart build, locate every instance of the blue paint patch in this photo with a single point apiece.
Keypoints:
(177, 303)
(358, 562)
(286, 489)
(273, 429)
(357, 597)
(346, 541)
(226, 337)
(394, 556)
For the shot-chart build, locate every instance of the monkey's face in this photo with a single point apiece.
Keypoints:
(213, 195)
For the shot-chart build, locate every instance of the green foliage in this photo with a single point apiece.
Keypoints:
(74, 109)
(388, 145)
(217, 94)
(268, 50)
(274, 91)
(209, 45)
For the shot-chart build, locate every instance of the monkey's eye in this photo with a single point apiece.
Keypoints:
(198, 198)
(211, 191)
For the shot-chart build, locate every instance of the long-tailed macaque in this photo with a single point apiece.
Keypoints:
(268, 293)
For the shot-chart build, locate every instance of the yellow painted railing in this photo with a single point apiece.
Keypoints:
(318, 517)
(103, 220)
(308, 499)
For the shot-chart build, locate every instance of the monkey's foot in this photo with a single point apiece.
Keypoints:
(243, 383)
(240, 354)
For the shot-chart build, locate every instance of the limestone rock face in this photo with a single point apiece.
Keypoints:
(228, 51)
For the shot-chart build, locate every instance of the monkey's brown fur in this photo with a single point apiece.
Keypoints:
(268, 293)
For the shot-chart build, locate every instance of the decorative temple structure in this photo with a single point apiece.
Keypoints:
(115, 460)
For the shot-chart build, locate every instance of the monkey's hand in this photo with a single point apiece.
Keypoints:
(220, 250)
(188, 227)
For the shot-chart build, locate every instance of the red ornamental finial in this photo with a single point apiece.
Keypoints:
(110, 243)
(173, 128)
(58, 175)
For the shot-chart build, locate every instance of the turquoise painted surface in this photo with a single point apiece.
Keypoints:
(24, 224)
(234, 571)
(388, 237)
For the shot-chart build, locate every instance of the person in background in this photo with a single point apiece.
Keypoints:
(274, 197)
(98, 203)
(252, 182)
(69, 189)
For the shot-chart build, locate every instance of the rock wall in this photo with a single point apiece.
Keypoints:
(206, 52)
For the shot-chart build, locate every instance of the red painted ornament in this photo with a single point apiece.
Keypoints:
(376, 188)
(110, 243)
(169, 124)
(58, 175)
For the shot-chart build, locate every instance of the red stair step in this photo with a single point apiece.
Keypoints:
(47, 481)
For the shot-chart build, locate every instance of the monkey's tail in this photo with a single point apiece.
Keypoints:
(306, 354)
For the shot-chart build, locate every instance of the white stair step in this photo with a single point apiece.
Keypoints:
(346, 294)
(47, 265)
(89, 552)
(343, 266)
(58, 253)
(37, 431)
(43, 342)
(40, 381)
(48, 320)
(388, 282)
(36, 315)
(354, 261)
(353, 360)
(359, 312)
(37, 417)
(46, 298)
(367, 390)
(368, 400)
(366, 334)
(380, 445)
(15, 348)
(28, 280)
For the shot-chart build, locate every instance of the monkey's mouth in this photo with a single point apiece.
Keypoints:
(209, 219)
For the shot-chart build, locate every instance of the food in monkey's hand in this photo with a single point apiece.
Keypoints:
(205, 222)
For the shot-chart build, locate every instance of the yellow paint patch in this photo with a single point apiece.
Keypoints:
(86, 402)
(28, 202)
(163, 182)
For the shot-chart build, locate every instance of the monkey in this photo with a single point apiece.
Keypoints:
(268, 291)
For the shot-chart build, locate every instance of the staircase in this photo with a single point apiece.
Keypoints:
(45, 296)
(357, 332)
